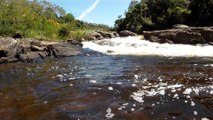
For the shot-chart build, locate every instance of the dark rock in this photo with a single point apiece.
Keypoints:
(165, 41)
(126, 33)
(99, 35)
(3, 59)
(37, 43)
(115, 34)
(17, 35)
(94, 36)
(28, 57)
(12, 50)
(64, 50)
(75, 42)
(186, 37)
(207, 34)
(154, 39)
(191, 35)
(106, 35)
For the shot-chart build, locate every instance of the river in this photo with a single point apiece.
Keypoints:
(118, 79)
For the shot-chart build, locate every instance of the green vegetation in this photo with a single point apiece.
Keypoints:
(161, 14)
(40, 19)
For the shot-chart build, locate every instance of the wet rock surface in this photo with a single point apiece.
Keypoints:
(185, 35)
(99, 35)
(126, 33)
(12, 50)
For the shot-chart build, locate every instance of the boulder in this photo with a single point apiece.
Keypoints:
(191, 35)
(6, 44)
(8, 48)
(28, 50)
(25, 47)
(186, 37)
(94, 36)
(3, 60)
(158, 36)
(106, 35)
(115, 34)
(64, 50)
(31, 56)
(207, 34)
(126, 33)
(75, 42)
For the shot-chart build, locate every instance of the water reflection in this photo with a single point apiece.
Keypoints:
(107, 87)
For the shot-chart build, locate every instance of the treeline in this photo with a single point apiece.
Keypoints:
(162, 14)
(41, 19)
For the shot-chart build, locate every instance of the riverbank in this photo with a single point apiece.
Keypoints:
(28, 49)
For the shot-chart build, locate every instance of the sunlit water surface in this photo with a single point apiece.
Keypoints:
(116, 84)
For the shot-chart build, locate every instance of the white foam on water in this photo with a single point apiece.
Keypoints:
(195, 112)
(138, 96)
(204, 119)
(136, 46)
(109, 114)
(208, 65)
(187, 91)
(93, 81)
(110, 88)
(161, 88)
(192, 103)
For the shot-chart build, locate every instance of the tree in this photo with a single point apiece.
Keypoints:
(202, 12)
(40, 19)
(68, 18)
(153, 14)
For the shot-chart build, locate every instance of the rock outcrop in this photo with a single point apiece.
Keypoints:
(126, 33)
(191, 35)
(63, 50)
(99, 35)
(12, 50)
(94, 36)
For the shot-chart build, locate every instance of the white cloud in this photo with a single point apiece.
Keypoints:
(88, 10)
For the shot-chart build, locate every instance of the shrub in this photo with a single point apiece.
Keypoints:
(63, 32)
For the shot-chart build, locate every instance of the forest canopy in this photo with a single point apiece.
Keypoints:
(41, 19)
(162, 14)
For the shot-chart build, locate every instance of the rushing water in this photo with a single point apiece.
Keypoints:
(127, 79)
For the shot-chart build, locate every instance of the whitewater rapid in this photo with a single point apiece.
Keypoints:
(137, 46)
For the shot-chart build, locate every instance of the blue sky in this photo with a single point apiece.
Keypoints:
(95, 11)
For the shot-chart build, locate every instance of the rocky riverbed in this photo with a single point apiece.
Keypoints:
(27, 50)
(13, 50)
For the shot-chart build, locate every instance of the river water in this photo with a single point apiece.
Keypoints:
(118, 79)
